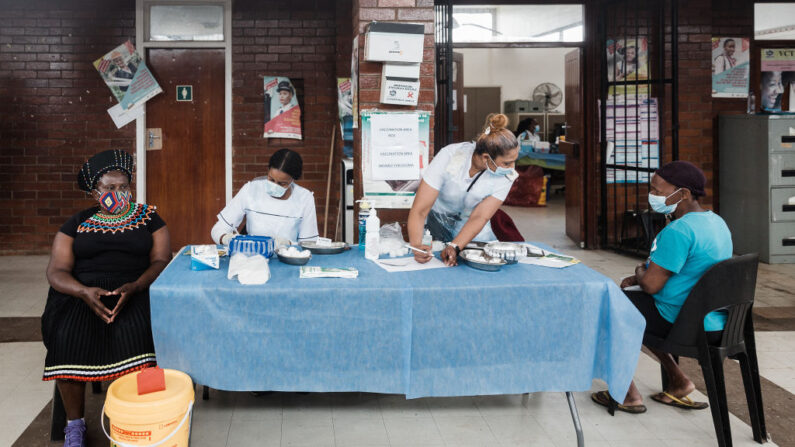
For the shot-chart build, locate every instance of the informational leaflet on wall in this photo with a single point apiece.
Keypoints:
(778, 70)
(282, 113)
(127, 76)
(632, 135)
(394, 154)
(730, 67)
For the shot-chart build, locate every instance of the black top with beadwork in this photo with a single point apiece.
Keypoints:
(108, 245)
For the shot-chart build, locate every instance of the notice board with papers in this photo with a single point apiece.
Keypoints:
(394, 155)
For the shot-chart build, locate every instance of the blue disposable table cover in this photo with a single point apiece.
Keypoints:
(442, 332)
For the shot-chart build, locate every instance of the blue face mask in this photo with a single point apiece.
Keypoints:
(499, 170)
(657, 203)
(537, 128)
(274, 190)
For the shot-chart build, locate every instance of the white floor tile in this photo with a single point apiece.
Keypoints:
(417, 431)
(261, 433)
(465, 431)
(354, 432)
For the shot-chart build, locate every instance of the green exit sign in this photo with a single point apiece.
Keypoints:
(184, 93)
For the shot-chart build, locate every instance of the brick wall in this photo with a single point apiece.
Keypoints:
(413, 11)
(699, 21)
(297, 39)
(53, 103)
(53, 111)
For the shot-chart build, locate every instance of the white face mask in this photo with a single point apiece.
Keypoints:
(275, 190)
(657, 203)
(499, 170)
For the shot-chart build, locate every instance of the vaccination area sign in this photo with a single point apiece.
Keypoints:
(730, 67)
(394, 154)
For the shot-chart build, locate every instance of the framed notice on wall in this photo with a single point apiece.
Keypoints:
(394, 155)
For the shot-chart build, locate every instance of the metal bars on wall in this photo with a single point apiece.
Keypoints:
(443, 27)
(638, 116)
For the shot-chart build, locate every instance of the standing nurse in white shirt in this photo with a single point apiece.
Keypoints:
(273, 205)
(462, 188)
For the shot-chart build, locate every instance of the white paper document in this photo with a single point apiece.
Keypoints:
(123, 117)
(395, 146)
(408, 264)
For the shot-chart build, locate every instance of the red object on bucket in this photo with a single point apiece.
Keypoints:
(151, 380)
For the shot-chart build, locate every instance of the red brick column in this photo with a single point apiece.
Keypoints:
(411, 11)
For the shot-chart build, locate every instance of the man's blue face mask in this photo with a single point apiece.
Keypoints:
(657, 203)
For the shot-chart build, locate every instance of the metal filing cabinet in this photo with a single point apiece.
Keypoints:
(757, 184)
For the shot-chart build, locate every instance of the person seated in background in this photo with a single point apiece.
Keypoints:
(682, 252)
(528, 131)
(273, 205)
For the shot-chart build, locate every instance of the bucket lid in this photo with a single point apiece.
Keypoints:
(123, 399)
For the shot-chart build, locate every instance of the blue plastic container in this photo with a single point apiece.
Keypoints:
(252, 245)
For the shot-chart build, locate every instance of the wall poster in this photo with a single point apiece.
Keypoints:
(730, 67)
(282, 113)
(778, 71)
(127, 76)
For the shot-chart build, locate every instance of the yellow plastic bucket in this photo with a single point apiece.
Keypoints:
(154, 419)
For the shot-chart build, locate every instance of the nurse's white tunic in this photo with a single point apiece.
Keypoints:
(293, 219)
(448, 173)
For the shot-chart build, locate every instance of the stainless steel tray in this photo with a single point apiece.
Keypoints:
(485, 266)
(335, 248)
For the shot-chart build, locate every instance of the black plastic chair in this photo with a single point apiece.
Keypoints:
(728, 285)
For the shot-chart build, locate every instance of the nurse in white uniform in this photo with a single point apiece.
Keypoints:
(462, 188)
(273, 205)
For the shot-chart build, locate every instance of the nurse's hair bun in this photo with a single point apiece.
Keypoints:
(496, 140)
(495, 122)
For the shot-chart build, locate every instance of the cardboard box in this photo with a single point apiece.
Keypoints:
(394, 42)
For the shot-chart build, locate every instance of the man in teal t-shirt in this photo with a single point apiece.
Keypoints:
(687, 248)
(683, 251)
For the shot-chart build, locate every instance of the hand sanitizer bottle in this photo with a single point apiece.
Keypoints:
(427, 239)
(372, 237)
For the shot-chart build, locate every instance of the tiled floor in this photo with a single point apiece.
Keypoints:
(356, 419)
(371, 420)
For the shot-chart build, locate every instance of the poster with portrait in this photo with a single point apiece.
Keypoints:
(730, 67)
(395, 151)
(778, 71)
(355, 82)
(628, 60)
(345, 112)
(282, 113)
(127, 76)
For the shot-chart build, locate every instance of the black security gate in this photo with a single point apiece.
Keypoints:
(443, 28)
(638, 114)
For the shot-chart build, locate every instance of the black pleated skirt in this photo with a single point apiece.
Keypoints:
(81, 346)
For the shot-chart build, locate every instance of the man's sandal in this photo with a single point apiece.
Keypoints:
(679, 402)
(603, 398)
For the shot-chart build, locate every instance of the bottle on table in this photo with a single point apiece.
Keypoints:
(372, 236)
(364, 211)
(427, 239)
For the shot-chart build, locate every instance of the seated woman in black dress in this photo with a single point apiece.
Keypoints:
(96, 323)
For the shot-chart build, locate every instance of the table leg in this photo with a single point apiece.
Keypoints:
(575, 417)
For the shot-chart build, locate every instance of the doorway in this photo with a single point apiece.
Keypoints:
(185, 177)
(184, 139)
(514, 62)
(527, 85)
